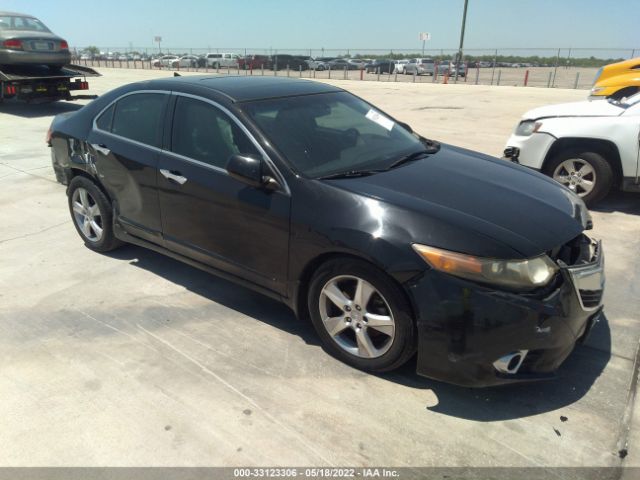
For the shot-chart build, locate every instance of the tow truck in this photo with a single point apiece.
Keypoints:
(39, 84)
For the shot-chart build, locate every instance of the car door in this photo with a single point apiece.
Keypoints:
(211, 217)
(123, 146)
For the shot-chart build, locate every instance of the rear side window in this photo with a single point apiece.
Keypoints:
(104, 121)
(205, 133)
(140, 117)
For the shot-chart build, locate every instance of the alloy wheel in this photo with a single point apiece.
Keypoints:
(357, 316)
(86, 214)
(576, 174)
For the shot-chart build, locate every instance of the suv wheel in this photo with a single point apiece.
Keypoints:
(361, 315)
(588, 174)
(92, 215)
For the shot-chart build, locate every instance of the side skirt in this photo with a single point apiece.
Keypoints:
(125, 236)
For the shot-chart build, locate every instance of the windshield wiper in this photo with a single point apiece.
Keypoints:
(409, 158)
(350, 174)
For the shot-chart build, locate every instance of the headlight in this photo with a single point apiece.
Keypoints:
(597, 89)
(527, 127)
(514, 274)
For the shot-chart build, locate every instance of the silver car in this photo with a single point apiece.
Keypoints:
(420, 66)
(25, 40)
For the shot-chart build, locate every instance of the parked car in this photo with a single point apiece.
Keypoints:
(25, 40)
(420, 66)
(341, 64)
(399, 65)
(617, 80)
(187, 61)
(384, 65)
(293, 62)
(255, 62)
(389, 242)
(446, 68)
(226, 60)
(590, 147)
(165, 61)
(319, 63)
(358, 63)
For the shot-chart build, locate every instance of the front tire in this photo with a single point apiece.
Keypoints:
(588, 174)
(361, 315)
(92, 215)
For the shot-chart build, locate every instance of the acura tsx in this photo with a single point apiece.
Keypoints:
(391, 243)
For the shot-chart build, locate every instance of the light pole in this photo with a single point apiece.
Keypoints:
(464, 21)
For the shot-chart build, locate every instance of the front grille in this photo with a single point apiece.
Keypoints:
(590, 298)
(584, 262)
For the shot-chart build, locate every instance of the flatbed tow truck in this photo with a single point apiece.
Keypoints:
(39, 84)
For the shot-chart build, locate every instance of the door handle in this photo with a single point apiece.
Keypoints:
(101, 147)
(176, 177)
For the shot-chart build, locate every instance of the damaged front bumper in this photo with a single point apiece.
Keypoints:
(476, 336)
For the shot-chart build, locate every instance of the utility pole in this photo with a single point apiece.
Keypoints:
(464, 21)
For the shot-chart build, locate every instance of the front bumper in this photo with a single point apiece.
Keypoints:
(529, 151)
(465, 330)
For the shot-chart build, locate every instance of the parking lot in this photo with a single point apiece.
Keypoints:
(560, 77)
(134, 359)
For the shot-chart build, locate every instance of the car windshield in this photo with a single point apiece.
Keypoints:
(330, 133)
(14, 22)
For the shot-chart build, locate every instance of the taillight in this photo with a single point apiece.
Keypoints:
(64, 45)
(10, 90)
(12, 44)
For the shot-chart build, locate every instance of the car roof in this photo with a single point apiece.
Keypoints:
(15, 14)
(244, 88)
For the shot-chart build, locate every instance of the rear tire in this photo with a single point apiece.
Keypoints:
(92, 215)
(374, 330)
(588, 174)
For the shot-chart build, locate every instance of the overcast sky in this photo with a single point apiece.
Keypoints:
(354, 24)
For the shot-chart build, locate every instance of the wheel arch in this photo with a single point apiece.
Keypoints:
(624, 92)
(606, 148)
(78, 172)
(301, 291)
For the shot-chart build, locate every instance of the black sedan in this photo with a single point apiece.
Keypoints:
(385, 65)
(389, 242)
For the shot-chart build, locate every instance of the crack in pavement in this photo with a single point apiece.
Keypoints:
(27, 172)
(34, 233)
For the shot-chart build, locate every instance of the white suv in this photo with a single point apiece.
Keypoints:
(587, 146)
(227, 60)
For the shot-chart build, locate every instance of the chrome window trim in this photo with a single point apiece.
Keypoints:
(281, 180)
(263, 153)
(94, 124)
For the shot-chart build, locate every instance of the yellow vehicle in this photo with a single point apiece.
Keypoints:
(617, 80)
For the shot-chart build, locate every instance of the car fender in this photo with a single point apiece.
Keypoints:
(621, 131)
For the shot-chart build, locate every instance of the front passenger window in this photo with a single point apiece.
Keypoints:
(205, 133)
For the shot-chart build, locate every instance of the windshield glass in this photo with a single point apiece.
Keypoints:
(329, 133)
(13, 22)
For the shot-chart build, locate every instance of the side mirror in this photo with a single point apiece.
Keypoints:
(250, 170)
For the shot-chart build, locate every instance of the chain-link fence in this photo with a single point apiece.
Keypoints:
(535, 67)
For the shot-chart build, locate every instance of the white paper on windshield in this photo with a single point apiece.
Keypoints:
(381, 120)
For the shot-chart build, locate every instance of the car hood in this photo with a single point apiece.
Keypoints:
(477, 197)
(595, 108)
